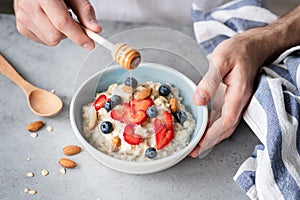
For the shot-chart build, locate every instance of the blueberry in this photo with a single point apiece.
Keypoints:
(180, 116)
(151, 152)
(115, 100)
(164, 90)
(108, 105)
(130, 81)
(106, 127)
(151, 112)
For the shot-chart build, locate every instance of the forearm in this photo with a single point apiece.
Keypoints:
(273, 39)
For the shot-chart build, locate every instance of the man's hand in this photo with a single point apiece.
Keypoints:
(49, 22)
(228, 84)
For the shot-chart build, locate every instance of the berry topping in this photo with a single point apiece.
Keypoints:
(164, 90)
(130, 137)
(106, 127)
(127, 115)
(130, 81)
(141, 104)
(115, 100)
(164, 130)
(108, 105)
(132, 114)
(99, 102)
(150, 152)
(151, 112)
(180, 116)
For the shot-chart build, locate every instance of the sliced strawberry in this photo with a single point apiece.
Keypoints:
(127, 115)
(164, 130)
(132, 114)
(158, 124)
(100, 101)
(130, 137)
(163, 138)
(168, 120)
(141, 104)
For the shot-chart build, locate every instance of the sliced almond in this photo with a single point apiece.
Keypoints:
(93, 118)
(34, 126)
(115, 144)
(144, 93)
(174, 105)
(67, 163)
(71, 150)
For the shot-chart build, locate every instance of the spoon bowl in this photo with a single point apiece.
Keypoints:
(41, 102)
(44, 103)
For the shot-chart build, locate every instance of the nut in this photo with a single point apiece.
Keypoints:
(115, 143)
(93, 118)
(67, 163)
(144, 93)
(173, 105)
(34, 126)
(71, 150)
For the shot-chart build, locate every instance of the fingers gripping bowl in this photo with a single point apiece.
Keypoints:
(146, 72)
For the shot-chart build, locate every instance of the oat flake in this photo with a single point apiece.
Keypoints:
(62, 170)
(49, 128)
(30, 174)
(33, 135)
(44, 172)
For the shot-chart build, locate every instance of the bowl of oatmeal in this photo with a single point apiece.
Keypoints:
(138, 122)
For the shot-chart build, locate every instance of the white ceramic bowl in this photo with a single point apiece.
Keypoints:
(145, 72)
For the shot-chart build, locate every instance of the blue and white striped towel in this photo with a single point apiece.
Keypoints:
(273, 171)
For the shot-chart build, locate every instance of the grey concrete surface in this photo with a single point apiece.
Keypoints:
(55, 68)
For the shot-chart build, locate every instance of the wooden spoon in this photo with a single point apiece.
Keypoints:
(41, 102)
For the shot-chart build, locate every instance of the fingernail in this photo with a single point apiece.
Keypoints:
(199, 98)
(93, 21)
(87, 46)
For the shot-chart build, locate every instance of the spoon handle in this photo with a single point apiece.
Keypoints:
(7, 70)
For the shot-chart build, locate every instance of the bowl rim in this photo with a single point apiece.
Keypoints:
(181, 154)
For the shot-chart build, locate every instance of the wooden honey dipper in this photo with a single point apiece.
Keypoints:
(126, 56)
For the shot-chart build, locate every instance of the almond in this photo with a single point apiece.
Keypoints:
(71, 150)
(115, 143)
(144, 93)
(34, 126)
(67, 163)
(173, 105)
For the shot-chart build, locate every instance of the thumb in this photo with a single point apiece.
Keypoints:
(208, 85)
(86, 14)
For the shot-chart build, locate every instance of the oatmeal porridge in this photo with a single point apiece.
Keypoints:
(138, 122)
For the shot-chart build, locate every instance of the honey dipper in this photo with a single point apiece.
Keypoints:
(126, 56)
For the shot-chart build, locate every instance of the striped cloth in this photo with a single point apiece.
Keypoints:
(273, 170)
